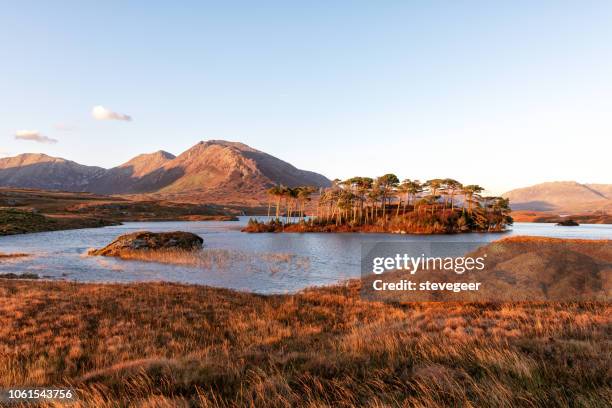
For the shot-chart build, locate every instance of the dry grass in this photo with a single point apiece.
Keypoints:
(12, 256)
(169, 345)
(597, 217)
(221, 259)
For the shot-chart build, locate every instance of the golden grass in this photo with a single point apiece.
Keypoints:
(169, 345)
(223, 259)
(547, 240)
(11, 256)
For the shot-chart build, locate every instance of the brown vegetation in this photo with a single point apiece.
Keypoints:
(169, 345)
(11, 256)
(219, 259)
(24, 211)
(520, 268)
(18, 221)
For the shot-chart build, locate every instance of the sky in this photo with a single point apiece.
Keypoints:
(501, 94)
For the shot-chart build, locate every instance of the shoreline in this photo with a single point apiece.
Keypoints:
(391, 227)
(289, 231)
(36, 223)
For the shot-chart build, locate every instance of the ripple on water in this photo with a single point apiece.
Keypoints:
(265, 263)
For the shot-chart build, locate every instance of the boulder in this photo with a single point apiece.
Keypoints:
(147, 241)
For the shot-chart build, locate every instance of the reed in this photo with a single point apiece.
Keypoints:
(168, 345)
(11, 256)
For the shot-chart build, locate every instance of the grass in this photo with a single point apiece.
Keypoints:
(12, 256)
(220, 259)
(169, 345)
(27, 210)
(20, 221)
(598, 217)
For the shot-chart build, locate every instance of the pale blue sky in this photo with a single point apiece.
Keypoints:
(503, 94)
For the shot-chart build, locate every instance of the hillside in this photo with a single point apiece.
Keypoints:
(127, 178)
(518, 268)
(29, 210)
(220, 171)
(562, 196)
(45, 172)
(213, 171)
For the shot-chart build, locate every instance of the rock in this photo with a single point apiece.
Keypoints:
(146, 241)
(568, 223)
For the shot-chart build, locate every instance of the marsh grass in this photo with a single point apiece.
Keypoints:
(220, 259)
(170, 345)
(4, 256)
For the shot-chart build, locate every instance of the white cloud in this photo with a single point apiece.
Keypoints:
(101, 113)
(4, 153)
(34, 136)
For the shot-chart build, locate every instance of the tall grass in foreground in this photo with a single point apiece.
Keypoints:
(170, 345)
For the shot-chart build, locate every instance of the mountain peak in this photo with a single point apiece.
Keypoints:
(164, 154)
(227, 143)
(147, 162)
(212, 171)
(28, 159)
(38, 170)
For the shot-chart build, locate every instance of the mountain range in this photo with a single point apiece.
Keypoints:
(562, 196)
(222, 172)
(211, 171)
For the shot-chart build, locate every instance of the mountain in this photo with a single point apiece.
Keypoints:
(217, 170)
(562, 196)
(144, 164)
(212, 171)
(40, 171)
(127, 178)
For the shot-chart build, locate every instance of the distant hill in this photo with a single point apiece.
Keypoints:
(45, 172)
(562, 196)
(128, 177)
(213, 171)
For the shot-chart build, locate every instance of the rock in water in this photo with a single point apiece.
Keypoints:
(145, 241)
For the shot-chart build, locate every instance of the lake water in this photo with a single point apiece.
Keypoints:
(264, 263)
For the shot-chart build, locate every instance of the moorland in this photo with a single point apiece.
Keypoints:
(171, 345)
(175, 345)
(30, 210)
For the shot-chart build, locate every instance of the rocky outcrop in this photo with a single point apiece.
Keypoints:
(147, 241)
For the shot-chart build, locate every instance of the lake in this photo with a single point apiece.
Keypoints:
(263, 263)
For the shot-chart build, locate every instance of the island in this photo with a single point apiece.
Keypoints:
(384, 204)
